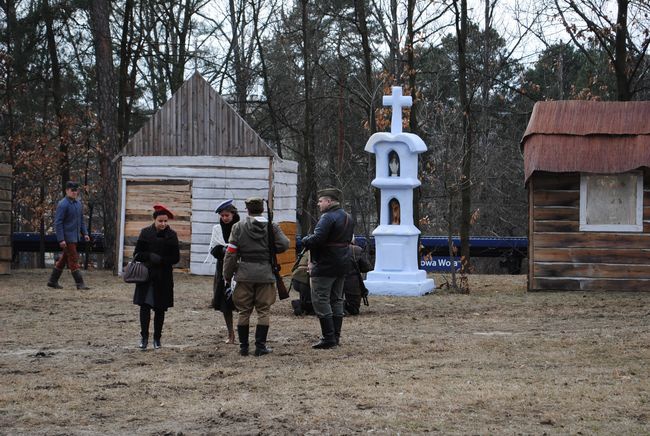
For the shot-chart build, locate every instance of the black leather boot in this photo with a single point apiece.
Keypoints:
(79, 280)
(261, 331)
(145, 318)
(328, 340)
(53, 281)
(242, 332)
(158, 322)
(338, 323)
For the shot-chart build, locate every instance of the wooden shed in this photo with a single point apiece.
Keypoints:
(587, 173)
(5, 218)
(192, 154)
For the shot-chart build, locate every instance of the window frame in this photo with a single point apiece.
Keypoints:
(630, 228)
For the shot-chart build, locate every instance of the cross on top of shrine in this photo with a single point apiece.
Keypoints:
(397, 101)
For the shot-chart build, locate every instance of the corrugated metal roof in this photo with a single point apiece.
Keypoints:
(587, 136)
(196, 121)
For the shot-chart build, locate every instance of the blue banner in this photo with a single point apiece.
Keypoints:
(439, 264)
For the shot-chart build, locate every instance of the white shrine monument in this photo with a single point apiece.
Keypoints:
(396, 238)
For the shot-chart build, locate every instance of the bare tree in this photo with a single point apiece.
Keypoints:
(623, 38)
(100, 12)
(308, 169)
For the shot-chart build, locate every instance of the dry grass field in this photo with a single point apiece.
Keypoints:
(496, 361)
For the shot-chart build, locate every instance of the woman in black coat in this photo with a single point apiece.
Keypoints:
(158, 248)
(228, 216)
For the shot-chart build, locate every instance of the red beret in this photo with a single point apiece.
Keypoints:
(159, 207)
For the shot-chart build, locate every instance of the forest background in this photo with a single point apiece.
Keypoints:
(79, 77)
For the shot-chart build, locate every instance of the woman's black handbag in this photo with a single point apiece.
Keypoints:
(135, 272)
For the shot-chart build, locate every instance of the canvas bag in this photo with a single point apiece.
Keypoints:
(136, 272)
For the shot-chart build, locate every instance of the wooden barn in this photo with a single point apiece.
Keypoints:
(5, 218)
(587, 173)
(195, 152)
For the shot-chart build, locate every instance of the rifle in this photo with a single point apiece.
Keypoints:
(282, 289)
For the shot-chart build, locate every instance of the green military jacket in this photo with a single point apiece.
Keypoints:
(247, 256)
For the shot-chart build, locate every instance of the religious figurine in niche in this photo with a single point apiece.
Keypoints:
(393, 164)
(394, 212)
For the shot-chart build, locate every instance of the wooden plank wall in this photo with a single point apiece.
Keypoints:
(196, 121)
(217, 178)
(141, 195)
(5, 218)
(561, 257)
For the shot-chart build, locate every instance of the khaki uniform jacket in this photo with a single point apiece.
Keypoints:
(247, 256)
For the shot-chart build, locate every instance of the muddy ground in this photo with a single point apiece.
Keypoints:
(497, 361)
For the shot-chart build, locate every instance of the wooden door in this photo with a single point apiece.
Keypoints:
(141, 195)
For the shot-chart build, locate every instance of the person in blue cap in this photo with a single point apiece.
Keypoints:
(228, 216)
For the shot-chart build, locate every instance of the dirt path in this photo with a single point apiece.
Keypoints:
(497, 361)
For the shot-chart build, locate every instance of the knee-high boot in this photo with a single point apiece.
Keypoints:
(79, 280)
(328, 340)
(53, 281)
(158, 321)
(338, 323)
(242, 332)
(145, 318)
(261, 332)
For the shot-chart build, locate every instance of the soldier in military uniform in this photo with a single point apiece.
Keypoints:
(248, 260)
(328, 246)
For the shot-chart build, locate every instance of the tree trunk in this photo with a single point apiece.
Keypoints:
(265, 80)
(236, 20)
(99, 12)
(621, 62)
(394, 43)
(362, 26)
(124, 80)
(57, 95)
(308, 169)
(466, 163)
(411, 74)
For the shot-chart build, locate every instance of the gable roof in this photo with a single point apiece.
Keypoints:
(587, 136)
(196, 121)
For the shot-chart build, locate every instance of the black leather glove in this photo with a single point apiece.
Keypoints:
(154, 258)
(218, 251)
(142, 256)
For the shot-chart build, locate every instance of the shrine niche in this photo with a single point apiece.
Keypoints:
(394, 212)
(393, 164)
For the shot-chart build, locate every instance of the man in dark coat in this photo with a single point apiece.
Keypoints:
(328, 246)
(69, 225)
(248, 259)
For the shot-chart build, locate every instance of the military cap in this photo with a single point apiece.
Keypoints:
(255, 205)
(333, 193)
(161, 209)
(71, 185)
(225, 205)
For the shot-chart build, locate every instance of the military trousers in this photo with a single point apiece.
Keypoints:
(250, 295)
(327, 296)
